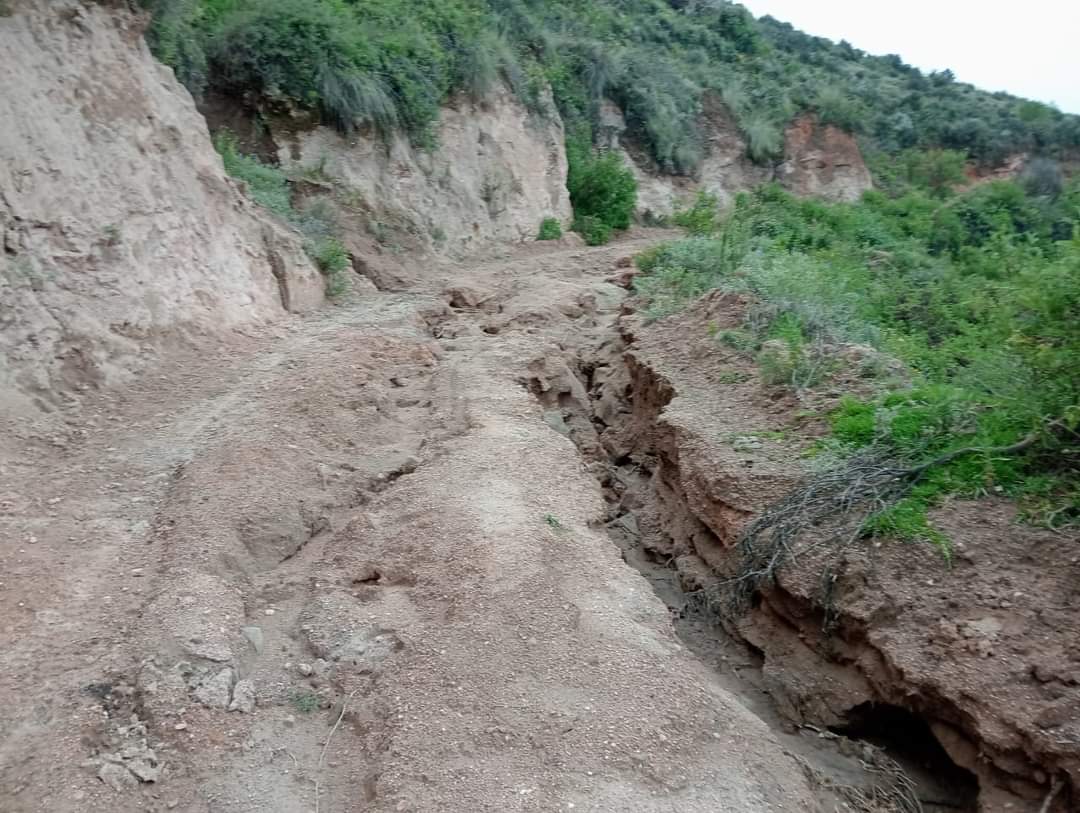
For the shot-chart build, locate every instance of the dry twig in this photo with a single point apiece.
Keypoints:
(867, 484)
(326, 745)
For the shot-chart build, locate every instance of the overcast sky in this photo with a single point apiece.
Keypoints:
(1029, 48)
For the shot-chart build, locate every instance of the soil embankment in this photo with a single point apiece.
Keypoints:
(964, 668)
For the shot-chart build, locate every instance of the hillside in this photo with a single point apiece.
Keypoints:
(509, 405)
(389, 64)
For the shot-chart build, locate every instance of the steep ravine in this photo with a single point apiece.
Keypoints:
(688, 446)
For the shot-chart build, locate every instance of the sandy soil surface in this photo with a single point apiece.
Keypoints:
(351, 563)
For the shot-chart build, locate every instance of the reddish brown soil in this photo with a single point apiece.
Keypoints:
(348, 565)
(982, 652)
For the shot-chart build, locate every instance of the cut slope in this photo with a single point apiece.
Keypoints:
(116, 220)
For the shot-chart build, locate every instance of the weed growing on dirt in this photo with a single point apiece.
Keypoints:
(112, 234)
(304, 702)
(553, 522)
(269, 186)
(550, 229)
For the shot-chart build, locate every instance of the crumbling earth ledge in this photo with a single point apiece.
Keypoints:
(983, 649)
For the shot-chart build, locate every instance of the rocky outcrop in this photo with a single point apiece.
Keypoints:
(497, 172)
(117, 222)
(726, 170)
(658, 194)
(822, 161)
(979, 654)
(819, 161)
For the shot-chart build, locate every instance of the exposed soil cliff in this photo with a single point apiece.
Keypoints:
(880, 638)
(495, 172)
(819, 161)
(117, 221)
(822, 161)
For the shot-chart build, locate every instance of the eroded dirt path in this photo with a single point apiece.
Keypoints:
(365, 535)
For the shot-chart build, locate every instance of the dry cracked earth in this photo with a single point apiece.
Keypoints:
(356, 563)
(350, 564)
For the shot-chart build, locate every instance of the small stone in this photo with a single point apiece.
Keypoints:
(305, 669)
(254, 636)
(145, 767)
(269, 611)
(554, 419)
(180, 726)
(243, 698)
(117, 777)
(136, 571)
(216, 691)
(290, 720)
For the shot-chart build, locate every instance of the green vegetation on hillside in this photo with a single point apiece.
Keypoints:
(602, 190)
(550, 229)
(389, 64)
(977, 293)
(269, 187)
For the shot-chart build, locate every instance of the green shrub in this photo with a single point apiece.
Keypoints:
(763, 139)
(853, 422)
(266, 185)
(734, 96)
(972, 292)
(594, 230)
(776, 364)
(837, 108)
(269, 187)
(176, 40)
(550, 229)
(937, 171)
(302, 52)
(602, 189)
(332, 260)
(700, 218)
(1042, 178)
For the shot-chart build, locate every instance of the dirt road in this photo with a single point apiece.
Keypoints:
(352, 564)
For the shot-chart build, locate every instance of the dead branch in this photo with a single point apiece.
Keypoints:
(842, 499)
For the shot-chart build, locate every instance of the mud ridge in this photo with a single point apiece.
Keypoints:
(611, 403)
(678, 530)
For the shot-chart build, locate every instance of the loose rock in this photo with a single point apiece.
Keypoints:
(243, 697)
(216, 691)
(254, 636)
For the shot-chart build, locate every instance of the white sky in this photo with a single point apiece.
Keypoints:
(1029, 48)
